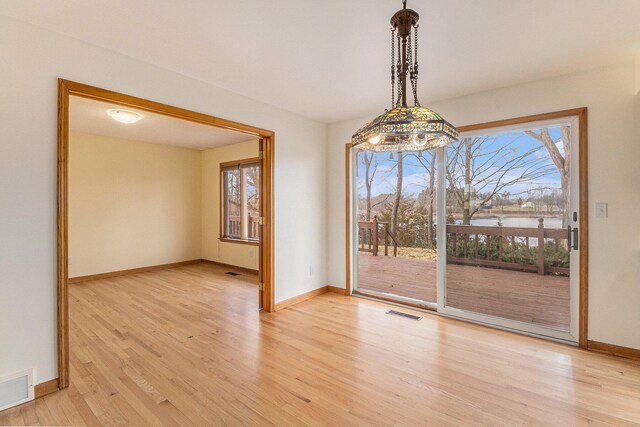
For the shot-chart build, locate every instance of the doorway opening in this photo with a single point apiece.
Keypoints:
(259, 215)
(491, 229)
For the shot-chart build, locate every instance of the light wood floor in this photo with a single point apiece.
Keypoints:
(515, 295)
(187, 347)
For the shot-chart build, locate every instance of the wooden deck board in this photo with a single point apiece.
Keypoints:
(187, 346)
(523, 296)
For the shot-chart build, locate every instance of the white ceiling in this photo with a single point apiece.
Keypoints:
(89, 116)
(329, 60)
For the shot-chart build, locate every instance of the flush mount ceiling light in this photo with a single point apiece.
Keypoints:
(405, 128)
(124, 116)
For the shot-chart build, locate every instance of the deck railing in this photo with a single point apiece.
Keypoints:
(233, 228)
(512, 248)
(371, 232)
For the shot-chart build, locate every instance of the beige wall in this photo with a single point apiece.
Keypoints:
(134, 204)
(131, 204)
(212, 248)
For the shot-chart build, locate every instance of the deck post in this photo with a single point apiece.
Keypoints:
(386, 239)
(375, 236)
(541, 246)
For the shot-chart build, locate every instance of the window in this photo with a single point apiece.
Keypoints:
(240, 200)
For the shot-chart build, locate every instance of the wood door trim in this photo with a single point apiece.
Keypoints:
(66, 88)
(581, 114)
(574, 112)
(267, 210)
(99, 94)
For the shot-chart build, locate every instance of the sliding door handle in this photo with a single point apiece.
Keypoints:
(573, 238)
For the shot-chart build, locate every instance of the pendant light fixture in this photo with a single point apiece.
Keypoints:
(404, 128)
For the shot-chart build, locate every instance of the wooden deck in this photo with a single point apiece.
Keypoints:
(523, 296)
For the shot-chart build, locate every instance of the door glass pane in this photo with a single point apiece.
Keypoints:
(507, 210)
(396, 212)
(251, 176)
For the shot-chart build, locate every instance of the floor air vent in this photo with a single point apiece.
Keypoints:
(16, 389)
(231, 273)
(401, 314)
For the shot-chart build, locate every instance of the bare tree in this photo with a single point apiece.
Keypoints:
(397, 196)
(370, 169)
(253, 190)
(432, 197)
(479, 165)
(428, 163)
(562, 163)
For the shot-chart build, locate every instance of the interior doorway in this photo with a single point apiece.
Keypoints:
(264, 207)
(491, 229)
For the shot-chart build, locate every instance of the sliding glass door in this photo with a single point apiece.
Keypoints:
(485, 229)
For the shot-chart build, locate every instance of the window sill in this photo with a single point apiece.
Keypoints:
(240, 241)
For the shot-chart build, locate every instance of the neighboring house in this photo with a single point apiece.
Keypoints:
(528, 205)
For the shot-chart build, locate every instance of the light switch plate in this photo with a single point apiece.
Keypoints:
(602, 210)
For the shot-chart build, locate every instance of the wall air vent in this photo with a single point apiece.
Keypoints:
(16, 389)
(401, 314)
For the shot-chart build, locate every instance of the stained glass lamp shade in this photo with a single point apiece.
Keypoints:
(405, 129)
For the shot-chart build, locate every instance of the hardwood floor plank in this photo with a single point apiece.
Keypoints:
(29, 416)
(187, 346)
(12, 416)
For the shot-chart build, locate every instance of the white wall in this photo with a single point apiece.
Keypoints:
(212, 248)
(614, 176)
(32, 60)
(131, 204)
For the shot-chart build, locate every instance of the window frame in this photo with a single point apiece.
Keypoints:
(225, 166)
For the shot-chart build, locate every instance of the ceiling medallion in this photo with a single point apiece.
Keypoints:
(405, 128)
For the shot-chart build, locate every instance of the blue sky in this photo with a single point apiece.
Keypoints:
(416, 177)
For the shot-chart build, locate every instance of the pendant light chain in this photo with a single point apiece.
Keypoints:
(413, 74)
(398, 72)
(409, 63)
(393, 67)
